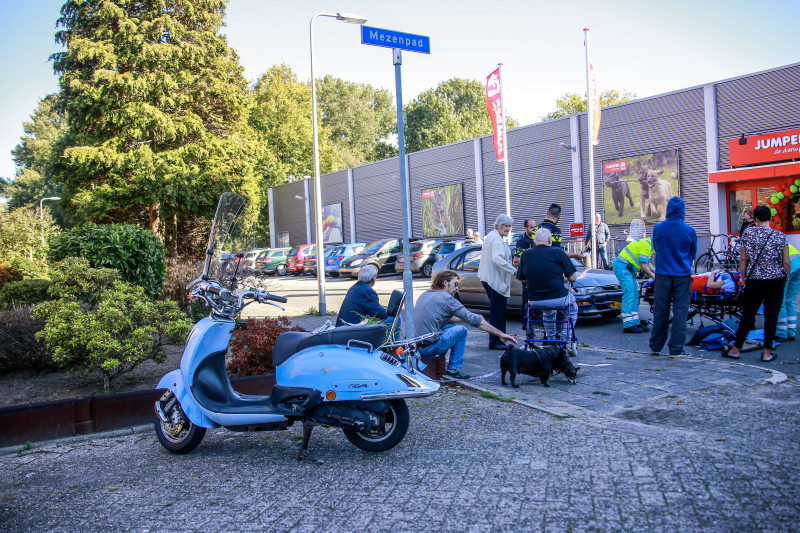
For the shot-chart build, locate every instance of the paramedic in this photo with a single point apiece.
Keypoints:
(635, 257)
(787, 320)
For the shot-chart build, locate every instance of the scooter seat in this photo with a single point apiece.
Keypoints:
(291, 342)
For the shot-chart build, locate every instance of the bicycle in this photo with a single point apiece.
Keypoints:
(711, 259)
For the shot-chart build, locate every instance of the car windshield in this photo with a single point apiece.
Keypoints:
(374, 247)
(447, 248)
(577, 263)
(293, 253)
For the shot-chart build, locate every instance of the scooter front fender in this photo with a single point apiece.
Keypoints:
(174, 382)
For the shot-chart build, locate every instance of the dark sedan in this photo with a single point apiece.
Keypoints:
(597, 292)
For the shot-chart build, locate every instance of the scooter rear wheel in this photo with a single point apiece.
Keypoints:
(181, 437)
(386, 436)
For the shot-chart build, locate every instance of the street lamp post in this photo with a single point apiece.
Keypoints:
(41, 212)
(352, 19)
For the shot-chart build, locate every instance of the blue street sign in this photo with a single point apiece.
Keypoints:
(395, 39)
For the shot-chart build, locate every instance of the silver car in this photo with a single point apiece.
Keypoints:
(422, 255)
(597, 292)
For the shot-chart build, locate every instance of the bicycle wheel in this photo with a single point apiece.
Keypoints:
(704, 263)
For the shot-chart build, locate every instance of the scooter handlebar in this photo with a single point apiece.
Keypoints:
(280, 299)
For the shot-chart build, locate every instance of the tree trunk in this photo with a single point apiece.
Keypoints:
(171, 234)
(154, 218)
(106, 381)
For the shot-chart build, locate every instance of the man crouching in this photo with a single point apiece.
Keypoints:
(435, 310)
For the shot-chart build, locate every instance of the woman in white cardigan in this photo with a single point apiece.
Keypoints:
(495, 272)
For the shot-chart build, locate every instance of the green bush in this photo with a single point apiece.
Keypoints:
(25, 292)
(19, 348)
(23, 241)
(135, 252)
(105, 326)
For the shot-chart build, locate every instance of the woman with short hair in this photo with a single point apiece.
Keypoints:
(765, 265)
(495, 273)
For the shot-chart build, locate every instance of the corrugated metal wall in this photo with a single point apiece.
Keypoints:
(290, 213)
(377, 200)
(334, 190)
(665, 122)
(539, 174)
(444, 165)
(757, 104)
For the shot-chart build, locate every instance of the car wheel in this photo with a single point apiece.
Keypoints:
(427, 270)
(281, 270)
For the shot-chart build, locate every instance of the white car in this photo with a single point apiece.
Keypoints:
(249, 259)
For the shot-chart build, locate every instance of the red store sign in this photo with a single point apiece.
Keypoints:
(576, 230)
(769, 148)
(615, 166)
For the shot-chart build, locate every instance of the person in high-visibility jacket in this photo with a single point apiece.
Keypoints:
(787, 319)
(636, 256)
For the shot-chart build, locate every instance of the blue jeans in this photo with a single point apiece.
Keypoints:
(453, 338)
(602, 257)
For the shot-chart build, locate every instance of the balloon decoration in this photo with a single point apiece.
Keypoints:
(786, 190)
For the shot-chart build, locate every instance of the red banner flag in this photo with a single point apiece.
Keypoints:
(494, 104)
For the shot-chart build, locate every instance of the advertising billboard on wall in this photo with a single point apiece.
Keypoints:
(640, 186)
(332, 231)
(443, 211)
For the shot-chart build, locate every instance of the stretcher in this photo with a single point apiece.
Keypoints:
(713, 305)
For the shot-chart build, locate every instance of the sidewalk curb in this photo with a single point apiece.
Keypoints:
(77, 439)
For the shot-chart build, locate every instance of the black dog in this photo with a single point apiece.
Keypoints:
(619, 191)
(537, 363)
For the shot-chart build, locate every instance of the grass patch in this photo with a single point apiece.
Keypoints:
(314, 312)
(672, 396)
(493, 396)
(656, 369)
(612, 358)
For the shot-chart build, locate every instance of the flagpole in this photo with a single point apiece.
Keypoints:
(589, 130)
(505, 141)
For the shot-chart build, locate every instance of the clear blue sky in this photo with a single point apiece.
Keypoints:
(642, 46)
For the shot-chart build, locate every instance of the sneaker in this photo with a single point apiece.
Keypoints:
(633, 329)
(456, 374)
(682, 352)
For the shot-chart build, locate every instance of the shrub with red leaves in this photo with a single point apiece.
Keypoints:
(8, 274)
(252, 345)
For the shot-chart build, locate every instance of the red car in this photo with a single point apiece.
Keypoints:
(297, 257)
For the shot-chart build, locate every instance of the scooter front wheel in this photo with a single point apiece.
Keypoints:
(179, 435)
(387, 435)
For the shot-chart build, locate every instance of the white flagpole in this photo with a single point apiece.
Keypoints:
(589, 130)
(505, 141)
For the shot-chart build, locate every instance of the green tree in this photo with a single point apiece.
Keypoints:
(359, 119)
(23, 241)
(156, 105)
(35, 157)
(572, 103)
(280, 116)
(454, 111)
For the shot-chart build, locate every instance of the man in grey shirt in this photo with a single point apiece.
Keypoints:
(434, 312)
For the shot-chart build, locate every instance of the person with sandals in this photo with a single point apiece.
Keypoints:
(765, 263)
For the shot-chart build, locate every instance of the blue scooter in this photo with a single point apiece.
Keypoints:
(346, 377)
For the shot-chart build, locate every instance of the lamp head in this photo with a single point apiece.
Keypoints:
(351, 18)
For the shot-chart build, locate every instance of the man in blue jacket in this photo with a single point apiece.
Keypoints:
(361, 300)
(675, 244)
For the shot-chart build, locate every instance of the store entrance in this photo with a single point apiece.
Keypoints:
(745, 195)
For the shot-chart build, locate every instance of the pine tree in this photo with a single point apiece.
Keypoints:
(156, 105)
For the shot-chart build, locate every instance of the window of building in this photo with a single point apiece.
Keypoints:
(283, 239)
(740, 201)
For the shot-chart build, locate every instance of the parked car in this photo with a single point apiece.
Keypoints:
(448, 247)
(380, 254)
(297, 257)
(342, 253)
(272, 261)
(249, 259)
(310, 265)
(422, 255)
(597, 291)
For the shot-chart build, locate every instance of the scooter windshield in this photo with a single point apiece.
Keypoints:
(229, 209)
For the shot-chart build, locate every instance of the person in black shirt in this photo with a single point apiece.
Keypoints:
(546, 266)
(550, 223)
(747, 222)
(524, 243)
